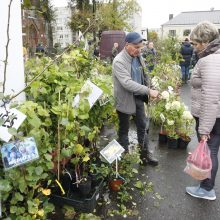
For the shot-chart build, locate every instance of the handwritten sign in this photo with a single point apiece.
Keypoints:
(93, 96)
(104, 100)
(19, 152)
(112, 151)
(11, 118)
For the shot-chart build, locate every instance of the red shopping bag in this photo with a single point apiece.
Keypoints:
(199, 163)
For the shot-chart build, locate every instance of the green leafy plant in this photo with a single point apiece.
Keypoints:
(168, 112)
(166, 75)
(186, 124)
(63, 134)
(31, 182)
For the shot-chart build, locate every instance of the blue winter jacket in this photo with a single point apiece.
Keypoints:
(186, 52)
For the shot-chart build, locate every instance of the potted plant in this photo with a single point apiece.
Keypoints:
(163, 132)
(162, 136)
(85, 185)
(173, 113)
(116, 183)
(172, 136)
(115, 180)
(157, 114)
(94, 173)
(185, 129)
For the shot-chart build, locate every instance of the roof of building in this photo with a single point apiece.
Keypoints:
(194, 17)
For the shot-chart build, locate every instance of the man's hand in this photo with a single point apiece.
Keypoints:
(153, 93)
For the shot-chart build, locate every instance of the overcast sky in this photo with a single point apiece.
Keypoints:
(156, 12)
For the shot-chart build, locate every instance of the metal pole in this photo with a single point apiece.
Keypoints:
(116, 167)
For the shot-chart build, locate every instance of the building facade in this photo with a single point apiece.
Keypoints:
(62, 34)
(136, 22)
(181, 25)
(33, 30)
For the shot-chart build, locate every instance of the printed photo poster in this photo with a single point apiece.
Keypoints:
(93, 96)
(19, 152)
(12, 118)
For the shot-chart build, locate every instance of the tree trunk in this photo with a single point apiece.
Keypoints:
(50, 38)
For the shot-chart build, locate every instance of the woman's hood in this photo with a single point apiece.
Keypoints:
(212, 47)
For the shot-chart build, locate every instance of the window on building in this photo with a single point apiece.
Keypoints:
(172, 33)
(66, 36)
(186, 32)
(61, 36)
(59, 28)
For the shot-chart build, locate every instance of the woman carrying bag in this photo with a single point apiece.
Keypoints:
(205, 100)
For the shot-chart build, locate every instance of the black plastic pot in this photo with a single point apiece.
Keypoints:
(95, 178)
(85, 186)
(162, 138)
(183, 143)
(172, 142)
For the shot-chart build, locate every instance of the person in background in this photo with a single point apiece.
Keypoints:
(130, 87)
(114, 51)
(205, 101)
(96, 52)
(40, 50)
(149, 54)
(186, 51)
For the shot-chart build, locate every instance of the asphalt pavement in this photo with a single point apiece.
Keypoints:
(168, 200)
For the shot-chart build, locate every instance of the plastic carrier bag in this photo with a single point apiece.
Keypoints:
(199, 163)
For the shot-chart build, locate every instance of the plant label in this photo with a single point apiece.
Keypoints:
(11, 118)
(104, 100)
(112, 151)
(94, 93)
(19, 152)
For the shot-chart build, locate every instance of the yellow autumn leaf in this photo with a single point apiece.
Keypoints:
(78, 149)
(37, 201)
(40, 212)
(46, 192)
(86, 158)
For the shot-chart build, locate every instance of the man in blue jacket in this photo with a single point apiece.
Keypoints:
(186, 52)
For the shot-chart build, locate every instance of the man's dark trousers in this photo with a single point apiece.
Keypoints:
(140, 121)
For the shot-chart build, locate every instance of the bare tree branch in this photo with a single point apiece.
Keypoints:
(7, 45)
